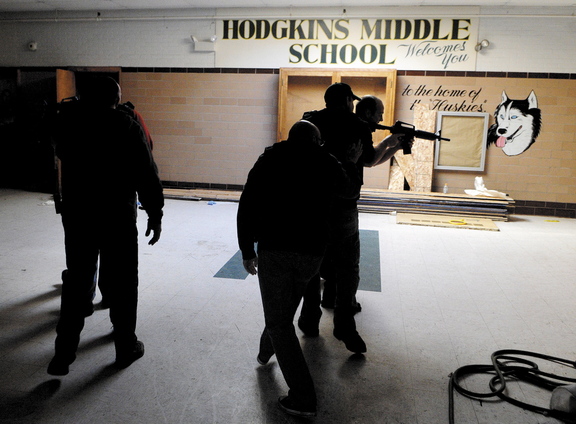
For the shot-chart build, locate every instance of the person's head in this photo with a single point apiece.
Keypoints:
(340, 96)
(370, 109)
(305, 132)
(101, 92)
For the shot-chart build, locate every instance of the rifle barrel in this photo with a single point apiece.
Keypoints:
(417, 133)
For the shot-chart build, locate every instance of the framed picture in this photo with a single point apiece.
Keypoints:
(466, 150)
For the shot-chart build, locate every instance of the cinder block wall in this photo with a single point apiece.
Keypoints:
(208, 128)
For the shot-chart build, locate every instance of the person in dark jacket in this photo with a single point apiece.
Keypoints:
(340, 128)
(283, 208)
(106, 165)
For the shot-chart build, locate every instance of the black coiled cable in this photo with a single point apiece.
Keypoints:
(505, 366)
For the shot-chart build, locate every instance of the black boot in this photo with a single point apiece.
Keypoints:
(345, 330)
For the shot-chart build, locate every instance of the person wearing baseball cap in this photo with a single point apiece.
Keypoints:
(340, 129)
(338, 91)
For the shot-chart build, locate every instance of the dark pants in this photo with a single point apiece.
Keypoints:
(283, 278)
(341, 264)
(88, 239)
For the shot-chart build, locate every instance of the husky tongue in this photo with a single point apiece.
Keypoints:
(501, 142)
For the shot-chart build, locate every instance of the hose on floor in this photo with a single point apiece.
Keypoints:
(511, 364)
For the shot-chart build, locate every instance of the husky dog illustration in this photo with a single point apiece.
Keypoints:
(517, 124)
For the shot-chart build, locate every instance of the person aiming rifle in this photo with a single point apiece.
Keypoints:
(371, 109)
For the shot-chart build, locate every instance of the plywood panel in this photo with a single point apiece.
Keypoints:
(463, 222)
(305, 93)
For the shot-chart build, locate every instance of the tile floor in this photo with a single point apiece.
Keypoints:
(450, 297)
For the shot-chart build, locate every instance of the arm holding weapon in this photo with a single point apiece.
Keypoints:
(386, 149)
(409, 132)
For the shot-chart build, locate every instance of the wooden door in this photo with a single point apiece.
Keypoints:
(65, 84)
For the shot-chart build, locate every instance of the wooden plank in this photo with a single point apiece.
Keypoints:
(435, 195)
(387, 201)
(435, 212)
(432, 207)
(202, 194)
(462, 222)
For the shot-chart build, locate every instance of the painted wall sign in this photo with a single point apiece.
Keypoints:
(445, 99)
(516, 124)
(410, 44)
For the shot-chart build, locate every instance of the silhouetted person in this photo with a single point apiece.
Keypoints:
(340, 128)
(371, 109)
(106, 166)
(129, 109)
(284, 207)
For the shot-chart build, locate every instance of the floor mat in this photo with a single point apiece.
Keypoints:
(369, 263)
(233, 269)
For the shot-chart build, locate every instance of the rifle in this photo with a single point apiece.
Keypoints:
(410, 132)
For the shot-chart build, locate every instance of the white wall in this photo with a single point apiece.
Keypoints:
(104, 43)
(527, 40)
(528, 44)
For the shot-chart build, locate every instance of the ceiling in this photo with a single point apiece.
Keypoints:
(120, 5)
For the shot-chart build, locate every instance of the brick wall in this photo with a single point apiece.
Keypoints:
(208, 128)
